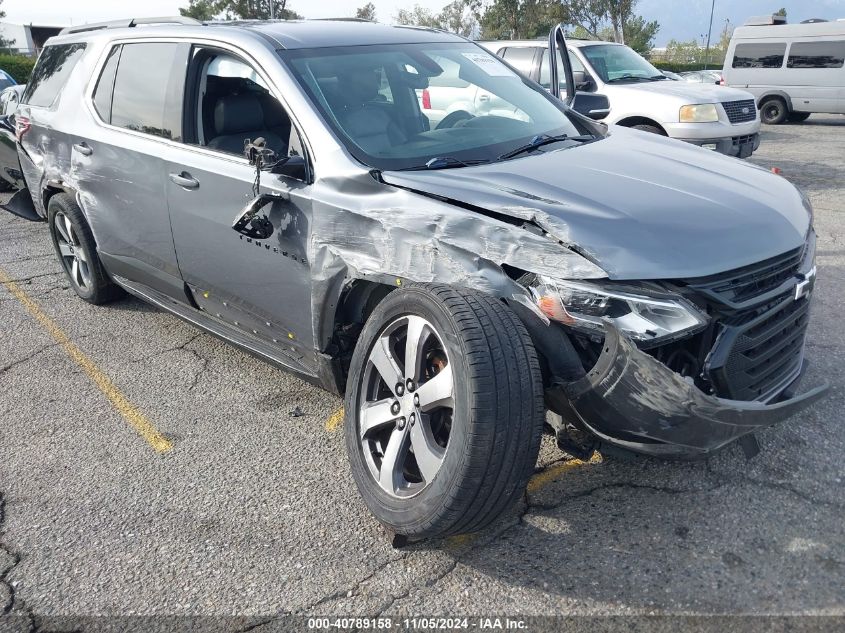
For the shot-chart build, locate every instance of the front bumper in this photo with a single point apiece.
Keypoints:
(631, 400)
(738, 146)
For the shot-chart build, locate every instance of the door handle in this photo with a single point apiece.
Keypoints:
(83, 148)
(185, 180)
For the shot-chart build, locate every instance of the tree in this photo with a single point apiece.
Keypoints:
(367, 12)
(594, 16)
(459, 16)
(781, 11)
(238, 10)
(683, 52)
(4, 43)
(640, 34)
(506, 19)
(418, 16)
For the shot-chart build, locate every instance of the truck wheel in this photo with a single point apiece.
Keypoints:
(798, 117)
(773, 111)
(77, 251)
(651, 129)
(444, 410)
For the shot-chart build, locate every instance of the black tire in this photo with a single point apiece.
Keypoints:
(497, 418)
(798, 117)
(773, 111)
(651, 129)
(98, 288)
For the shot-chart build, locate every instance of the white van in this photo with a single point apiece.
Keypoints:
(641, 97)
(793, 70)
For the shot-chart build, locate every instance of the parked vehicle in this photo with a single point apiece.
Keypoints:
(640, 96)
(793, 70)
(10, 174)
(10, 97)
(454, 283)
(6, 80)
(702, 77)
(672, 76)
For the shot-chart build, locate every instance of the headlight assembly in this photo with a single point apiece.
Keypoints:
(700, 113)
(647, 320)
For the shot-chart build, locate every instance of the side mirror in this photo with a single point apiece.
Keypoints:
(582, 80)
(292, 166)
(592, 105)
(249, 223)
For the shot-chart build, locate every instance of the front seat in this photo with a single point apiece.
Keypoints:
(240, 117)
(362, 118)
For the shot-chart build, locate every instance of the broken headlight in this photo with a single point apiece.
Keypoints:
(645, 319)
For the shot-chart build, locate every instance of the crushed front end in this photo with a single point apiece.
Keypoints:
(687, 366)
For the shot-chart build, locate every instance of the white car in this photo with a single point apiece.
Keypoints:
(716, 117)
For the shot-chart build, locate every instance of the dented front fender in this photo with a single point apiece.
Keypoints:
(631, 400)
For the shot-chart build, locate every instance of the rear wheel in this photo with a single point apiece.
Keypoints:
(444, 411)
(798, 117)
(773, 111)
(77, 251)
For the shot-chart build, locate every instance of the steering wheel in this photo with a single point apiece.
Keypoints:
(453, 118)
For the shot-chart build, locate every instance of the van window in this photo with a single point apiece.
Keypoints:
(51, 73)
(141, 89)
(105, 85)
(759, 55)
(830, 54)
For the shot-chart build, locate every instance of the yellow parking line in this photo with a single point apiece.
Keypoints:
(335, 421)
(545, 477)
(130, 412)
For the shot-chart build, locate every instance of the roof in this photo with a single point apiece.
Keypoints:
(290, 34)
(784, 31)
(542, 42)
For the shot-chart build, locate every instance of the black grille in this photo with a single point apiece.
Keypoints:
(752, 361)
(749, 282)
(756, 339)
(740, 111)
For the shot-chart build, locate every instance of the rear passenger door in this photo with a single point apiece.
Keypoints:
(137, 103)
(259, 287)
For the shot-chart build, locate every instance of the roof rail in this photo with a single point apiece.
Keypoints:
(123, 24)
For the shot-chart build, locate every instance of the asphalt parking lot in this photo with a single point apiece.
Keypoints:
(147, 468)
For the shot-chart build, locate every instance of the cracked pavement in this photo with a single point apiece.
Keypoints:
(254, 511)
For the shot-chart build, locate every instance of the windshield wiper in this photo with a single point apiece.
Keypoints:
(658, 78)
(543, 139)
(445, 162)
(629, 78)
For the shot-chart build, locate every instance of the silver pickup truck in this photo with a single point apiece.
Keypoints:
(640, 96)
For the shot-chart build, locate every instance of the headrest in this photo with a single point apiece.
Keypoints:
(238, 113)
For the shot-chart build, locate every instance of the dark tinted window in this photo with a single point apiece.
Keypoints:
(144, 80)
(520, 58)
(816, 55)
(105, 86)
(759, 55)
(51, 73)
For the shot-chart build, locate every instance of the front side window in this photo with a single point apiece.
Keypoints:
(51, 73)
(446, 100)
(545, 74)
(614, 63)
(143, 90)
(232, 103)
(829, 54)
(759, 55)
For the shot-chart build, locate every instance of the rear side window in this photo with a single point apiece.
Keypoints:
(520, 58)
(759, 55)
(51, 73)
(817, 55)
(146, 81)
(105, 85)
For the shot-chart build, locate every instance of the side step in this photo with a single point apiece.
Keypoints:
(21, 205)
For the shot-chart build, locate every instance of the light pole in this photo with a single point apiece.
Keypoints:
(273, 10)
(709, 31)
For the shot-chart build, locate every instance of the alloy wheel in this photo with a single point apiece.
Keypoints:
(72, 254)
(405, 419)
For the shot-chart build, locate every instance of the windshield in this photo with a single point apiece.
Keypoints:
(619, 63)
(400, 106)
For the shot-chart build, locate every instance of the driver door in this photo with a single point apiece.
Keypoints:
(261, 288)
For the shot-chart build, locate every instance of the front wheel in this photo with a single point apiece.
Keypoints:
(444, 410)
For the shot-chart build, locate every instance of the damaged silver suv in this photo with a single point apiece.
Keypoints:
(466, 281)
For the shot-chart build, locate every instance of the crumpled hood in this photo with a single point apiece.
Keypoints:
(639, 205)
(691, 92)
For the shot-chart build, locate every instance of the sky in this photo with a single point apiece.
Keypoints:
(679, 19)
